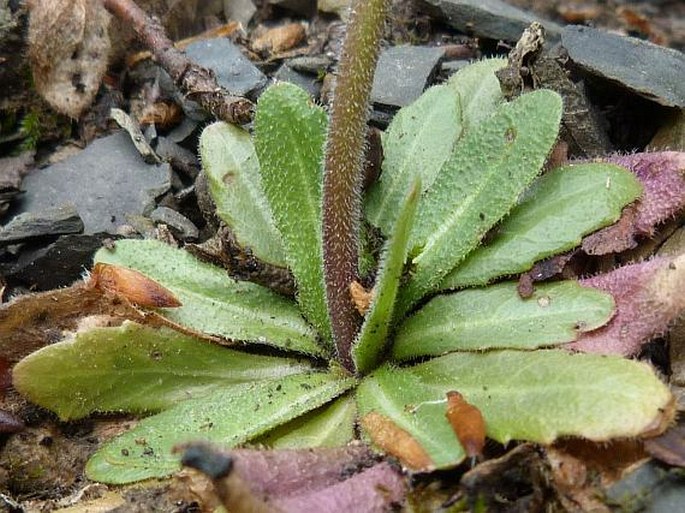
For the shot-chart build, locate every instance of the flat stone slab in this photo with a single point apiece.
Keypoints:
(105, 182)
(50, 222)
(652, 71)
(488, 18)
(403, 72)
(233, 70)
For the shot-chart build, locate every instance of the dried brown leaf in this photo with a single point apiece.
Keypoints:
(396, 441)
(467, 422)
(280, 39)
(131, 285)
(68, 49)
(361, 297)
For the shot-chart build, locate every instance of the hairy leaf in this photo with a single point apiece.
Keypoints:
(649, 296)
(415, 145)
(422, 135)
(331, 425)
(482, 180)
(561, 207)
(289, 138)
(138, 369)
(214, 303)
(497, 317)
(230, 416)
(663, 176)
(374, 332)
(478, 90)
(230, 163)
(537, 396)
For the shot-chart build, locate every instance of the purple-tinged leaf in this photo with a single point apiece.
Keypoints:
(374, 490)
(648, 297)
(286, 472)
(301, 481)
(662, 175)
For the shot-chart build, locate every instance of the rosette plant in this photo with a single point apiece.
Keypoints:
(399, 301)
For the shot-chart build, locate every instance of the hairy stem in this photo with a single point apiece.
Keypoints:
(344, 167)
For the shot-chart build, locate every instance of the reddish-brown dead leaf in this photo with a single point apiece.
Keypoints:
(279, 39)
(467, 422)
(163, 114)
(32, 321)
(131, 285)
(396, 441)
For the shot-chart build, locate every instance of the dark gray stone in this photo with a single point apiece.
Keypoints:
(28, 226)
(649, 489)
(58, 265)
(309, 83)
(403, 73)
(652, 71)
(105, 182)
(312, 64)
(305, 7)
(233, 70)
(180, 226)
(492, 19)
(12, 170)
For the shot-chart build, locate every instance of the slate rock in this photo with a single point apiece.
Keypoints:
(105, 182)
(240, 11)
(652, 71)
(57, 265)
(179, 225)
(403, 72)
(233, 70)
(306, 81)
(12, 171)
(492, 19)
(650, 488)
(35, 225)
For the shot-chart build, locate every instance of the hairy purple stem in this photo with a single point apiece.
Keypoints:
(344, 167)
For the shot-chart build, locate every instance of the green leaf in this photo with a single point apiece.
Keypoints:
(228, 416)
(497, 317)
(230, 163)
(289, 138)
(331, 425)
(478, 90)
(214, 303)
(395, 393)
(490, 167)
(373, 335)
(561, 207)
(422, 135)
(415, 145)
(538, 396)
(135, 368)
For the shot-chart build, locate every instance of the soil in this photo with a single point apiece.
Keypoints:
(41, 463)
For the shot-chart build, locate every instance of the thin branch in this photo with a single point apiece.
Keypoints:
(195, 81)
